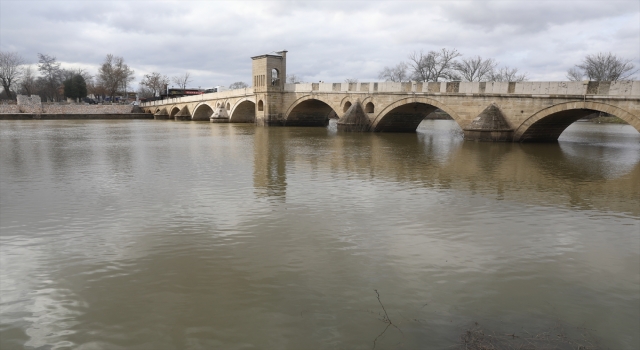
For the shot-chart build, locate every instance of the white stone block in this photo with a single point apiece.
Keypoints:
(389, 86)
(501, 87)
(535, 88)
(303, 87)
(621, 88)
(557, 88)
(577, 88)
(469, 87)
(325, 87)
(544, 87)
(635, 88)
(365, 87)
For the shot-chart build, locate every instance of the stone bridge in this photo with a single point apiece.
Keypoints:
(486, 111)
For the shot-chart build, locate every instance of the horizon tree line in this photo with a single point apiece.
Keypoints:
(114, 76)
(448, 65)
(54, 83)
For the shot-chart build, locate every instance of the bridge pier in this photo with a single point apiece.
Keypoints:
(161, 114)
(219, 115)
(489, 125)
(354, 119)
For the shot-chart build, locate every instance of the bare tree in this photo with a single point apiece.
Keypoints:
(114, 74)
(156, 82)
(238, 85)
(351, 81)
(476, 68)
(293, 78)
(434, 65)
(508, 74)
(51, 78)
(28, 84)
(128, 76)
(603, 67)
(145, 92)
(422, 65)
(10, 70)
(182, 80)
(395, 74)
(575, 74)
(70, 73)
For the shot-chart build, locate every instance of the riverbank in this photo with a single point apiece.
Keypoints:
(65, 116)
(607, 120)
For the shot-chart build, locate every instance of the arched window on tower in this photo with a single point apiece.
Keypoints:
(275, 77)
(260, 106)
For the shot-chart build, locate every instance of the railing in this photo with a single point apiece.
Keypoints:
(203, 97)
(628, 88)
(615, 88)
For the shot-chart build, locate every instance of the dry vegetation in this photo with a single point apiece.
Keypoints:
(555, 338)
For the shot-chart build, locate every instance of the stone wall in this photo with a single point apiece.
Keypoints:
(29, 104)
(33, 105)
(86, 109)
(9, 109)
(603, 88)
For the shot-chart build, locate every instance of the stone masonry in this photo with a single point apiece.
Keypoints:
(486, 111)
(33, 105)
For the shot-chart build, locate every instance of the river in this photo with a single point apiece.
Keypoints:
(185, 235)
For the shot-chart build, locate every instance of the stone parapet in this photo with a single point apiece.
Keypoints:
(65, 116)
(33, 105)
(616, 88)
(9, 109)
(86, 109)
(204, 97)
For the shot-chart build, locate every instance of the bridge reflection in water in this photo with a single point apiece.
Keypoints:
(583, 172)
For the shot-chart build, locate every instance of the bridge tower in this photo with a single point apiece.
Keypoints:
(269, 77)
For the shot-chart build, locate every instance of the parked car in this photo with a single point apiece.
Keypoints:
(90, 101)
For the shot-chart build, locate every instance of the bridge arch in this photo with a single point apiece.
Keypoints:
(309, 110)
(346, 106)
(406, 114)
(244, 111)
(202, 112)
(547, 124)
(174, 111)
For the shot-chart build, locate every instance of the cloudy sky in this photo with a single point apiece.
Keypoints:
(326, 40)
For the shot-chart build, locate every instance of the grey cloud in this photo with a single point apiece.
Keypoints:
(531, 16)
(327, 40)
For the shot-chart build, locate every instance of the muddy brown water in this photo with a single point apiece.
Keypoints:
(169, 235)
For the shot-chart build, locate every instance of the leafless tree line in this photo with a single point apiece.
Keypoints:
(602, 67)
(114, 76)
(447, 65)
